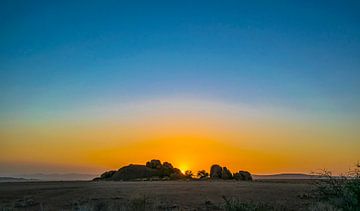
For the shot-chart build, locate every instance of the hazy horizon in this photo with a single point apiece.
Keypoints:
(268, 87)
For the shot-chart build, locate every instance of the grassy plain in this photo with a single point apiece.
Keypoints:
(154, 195)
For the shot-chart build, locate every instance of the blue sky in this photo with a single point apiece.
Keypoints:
(66, 54)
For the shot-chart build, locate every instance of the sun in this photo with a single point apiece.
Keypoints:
(183, 168)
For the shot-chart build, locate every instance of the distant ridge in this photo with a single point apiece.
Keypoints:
(59, 177)
(14, 179)
(286, 176)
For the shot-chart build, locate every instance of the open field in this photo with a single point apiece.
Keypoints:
(156, 195)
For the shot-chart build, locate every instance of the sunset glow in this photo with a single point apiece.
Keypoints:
(237, 84)
(184, 133)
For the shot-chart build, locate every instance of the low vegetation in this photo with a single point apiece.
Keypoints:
(202, 174)
(189, 174)
(237, 205)
(342, 192)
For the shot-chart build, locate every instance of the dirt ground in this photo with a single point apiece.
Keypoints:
(156, 195)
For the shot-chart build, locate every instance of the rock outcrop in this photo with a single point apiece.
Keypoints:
(216, 172)
(132, 172)
(155, 170)
(152, 170)
(243, 175)
(226, 173)
(107, 174)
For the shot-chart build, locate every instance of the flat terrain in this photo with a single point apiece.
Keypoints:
(162, 195)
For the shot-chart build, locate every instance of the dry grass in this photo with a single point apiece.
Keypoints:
(159, 195)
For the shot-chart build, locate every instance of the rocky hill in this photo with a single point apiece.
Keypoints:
(155, 170)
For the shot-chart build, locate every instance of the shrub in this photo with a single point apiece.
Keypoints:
(320, 206)
(189, 174)
(202, 174)
(342, 192)
(154, 164)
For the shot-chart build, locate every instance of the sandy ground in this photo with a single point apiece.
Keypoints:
(167, 195)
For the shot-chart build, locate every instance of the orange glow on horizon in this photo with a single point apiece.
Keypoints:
(186, 135)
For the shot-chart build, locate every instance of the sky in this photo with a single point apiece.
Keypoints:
(264, 86)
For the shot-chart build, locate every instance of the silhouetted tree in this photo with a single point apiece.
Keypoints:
(202, 174)
(189, 174)
(154, 164)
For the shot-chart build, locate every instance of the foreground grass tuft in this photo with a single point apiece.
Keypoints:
(236, 205)
(136, 204)
(321, 206)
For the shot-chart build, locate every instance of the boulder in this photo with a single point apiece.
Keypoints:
(215, 172)
(243, 175)
(226, 173)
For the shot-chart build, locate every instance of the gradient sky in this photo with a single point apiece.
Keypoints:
(266, 86)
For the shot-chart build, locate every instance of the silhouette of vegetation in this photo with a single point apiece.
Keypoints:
(189, 174)
(342, 192)
(154, 164)
(202, 174)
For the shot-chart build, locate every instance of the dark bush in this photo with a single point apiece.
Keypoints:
(154, 164)
(202, 174)
(342, 192)
(189, 174)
